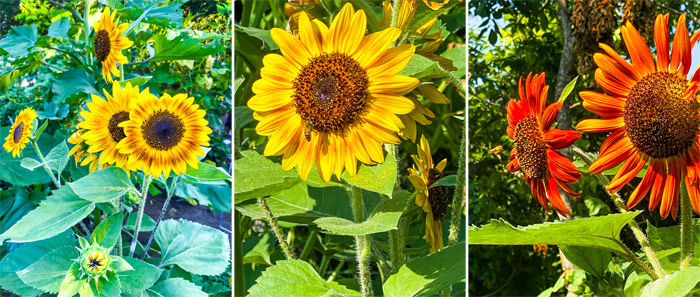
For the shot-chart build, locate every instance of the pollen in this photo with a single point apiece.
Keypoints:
(439, 196)
(17, 134)
(530, 147)
(330, 93)
(115, 131)
(163, 130)
(102, 45)
(657, 119)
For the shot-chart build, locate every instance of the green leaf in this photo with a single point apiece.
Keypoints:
(379, 178)
(206, 173)
(57, 159)
(103, 288)
(299, 277)
(118, 264)
(176, 287)
(137, 81)
(26, 255)
(71, 82)
(567, 90)
(601, 232)
(164, 16)
(424, 14)
(72, 282)
(59, 28)
(183, 47)
(677, 284)
(257, 176)
(19, 40)
(447, 181)
(422, 67)
(30, 163)
(592, 260)
(8, 78)
(218, 197)
(242, 114)
(147, 224)
(58, 212)
(103, 185)
(107, 232)
(666, 242)
(41, 129)
(143, 276)
(48, 273)
(428, 275)
(263, 35)
(193, 247)
(14, 173)
(384, 217)
(260, 251)
(458, 57)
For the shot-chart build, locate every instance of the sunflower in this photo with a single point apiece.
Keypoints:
(435, 200)
(20, 132)
(79, 152)
(109, 42)
(164, 134)
(100, 128)
(652, 112)
(333, 95)
(529, 125)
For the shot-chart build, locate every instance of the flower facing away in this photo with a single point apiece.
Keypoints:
(20, 132)
(435, 200)
(333, 96)
(652, 112)
(164, 134)
(529, 125)
(100, 127)
(79, 151)
(406, 12)
(109, 42)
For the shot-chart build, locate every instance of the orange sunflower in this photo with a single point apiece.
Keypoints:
(652, 112)
(529, 123)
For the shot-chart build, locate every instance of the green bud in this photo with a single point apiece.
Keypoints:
(94, 260)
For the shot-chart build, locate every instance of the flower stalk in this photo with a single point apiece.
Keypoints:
(142, 205)
(361, 243)
(44, 164)
(276, 229)
(459, 195)
(686, 228)
(170, 189)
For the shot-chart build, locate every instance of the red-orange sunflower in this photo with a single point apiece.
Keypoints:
(652, 113)
(529, 123)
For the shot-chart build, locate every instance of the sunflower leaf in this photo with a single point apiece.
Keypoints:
(263, 35)
(193, 247)
(48, 272)
(567, 90)
(107, 232)
(142, 277)
(30, 163)
(677, 284)
(379, 178)
(57, 158)
(177, 287)
(71, 82)
(447, 181)
(183, 47)
(19, 40)
(600, 232)
(296, 276)
(103, 185)
(60, 27)
(257, 176)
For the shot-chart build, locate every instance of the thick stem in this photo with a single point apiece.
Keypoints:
(86, 28)
(238, 277)
(276, 228)
(170, 191)
(638, 233)
(459, 195)
(308, 246)
(396, 238)
(636, 260)
(361, 243)
(142, 205)
(43, 164)
(119, 236)
(686, 228)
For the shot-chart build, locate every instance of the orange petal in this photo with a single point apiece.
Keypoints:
(600, 125)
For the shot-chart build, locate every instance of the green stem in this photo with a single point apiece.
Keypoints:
(43, 164)
(276, 228)
(238, 277)
(630, 254)
(361, 243)
(686, 228)
(459, 195)
(335, 271)
(119, 236)
(396, 254)
(170, 190)
(142, 205)
(86, 28)
(308, 246)
(638, 234)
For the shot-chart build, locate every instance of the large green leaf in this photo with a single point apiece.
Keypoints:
(193, 247)
(164, 16)
(103, 185)
(592, 260)
(263, 35)
(183, 47)
(257, 176)
(677, 284)
(379, 178)
(59, 28)
(9, 77)
(104, 288)
(206, 173)
(19, 40)
(72, 281)
(57, 158)
(258, 249)
(176, 287)
(107, 232)
(601, 232)
(384, 217)
(457, 55)
(58, 212)
(12, 170)
(47, 274)
(299, 277)
(428, 275)
(422, 67)
(218, 197)
(142, 277)
(71, 82)
(666, 242)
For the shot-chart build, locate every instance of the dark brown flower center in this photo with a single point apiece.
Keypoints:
(102, 45)
(330, 93)
(115, 131)
(163, 130)
(658, 122)
(530, 147)
(94, 263)
(438, 197)
(17, 134)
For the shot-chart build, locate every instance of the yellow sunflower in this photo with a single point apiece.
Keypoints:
(100, 128)
(333, 95)
(109, 42)
(20, 132)
(434, 201)
(164, 134)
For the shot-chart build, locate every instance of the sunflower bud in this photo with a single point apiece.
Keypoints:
(94, 260)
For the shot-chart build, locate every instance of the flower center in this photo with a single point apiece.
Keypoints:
(530, 147)
(94, 263)
(17, 134)
(163, 130)
(658, 122)
(115, 131)
(102, 45)
(438, 197)
(330, 93)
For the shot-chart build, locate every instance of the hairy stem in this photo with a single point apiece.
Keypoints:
(686, 228)
(170, 190)
(142, 205)
(361, 243)
(638, 233)
(276, 228)
(43, 164)
(459, 194)
(238, 277)
(86, 28)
